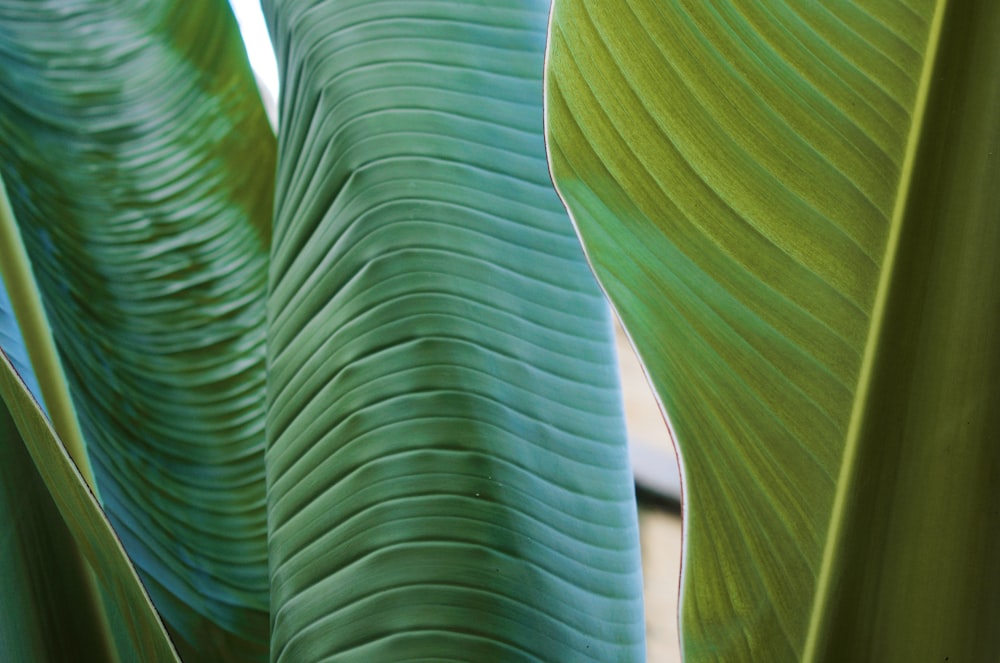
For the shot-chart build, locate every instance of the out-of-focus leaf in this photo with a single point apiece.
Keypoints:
(12, 344)
(139, 164)
(37, 569)
(39, 563)
(38, 359)
(44, 500)
(447, 464)
(794, 208)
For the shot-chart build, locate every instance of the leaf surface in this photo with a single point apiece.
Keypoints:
(12, 345)
(447, 463)
(793, 209)
(38, 569)
(50, 515)
(139, 165)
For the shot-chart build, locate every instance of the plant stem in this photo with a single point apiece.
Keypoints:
(15, 269)
(26, 300)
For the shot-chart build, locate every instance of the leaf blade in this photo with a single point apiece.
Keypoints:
(138, 162)
(86, 522)
(738, 171)
(448, 469)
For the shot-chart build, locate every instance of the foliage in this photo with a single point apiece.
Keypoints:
(352, 393)
(793, 208)
(445, 468)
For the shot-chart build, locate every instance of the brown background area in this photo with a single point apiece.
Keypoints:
(659, 526)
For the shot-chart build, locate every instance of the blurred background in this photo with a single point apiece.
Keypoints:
(658, 489)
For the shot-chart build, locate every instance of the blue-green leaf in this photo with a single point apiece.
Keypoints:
(447, 464)
(139, 164)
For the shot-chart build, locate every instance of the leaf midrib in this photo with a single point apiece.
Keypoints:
(859, 408)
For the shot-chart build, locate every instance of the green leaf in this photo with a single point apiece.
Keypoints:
(46, 615)
(37, 361)
(139, 165)
(793, 207)
(12, 345)
(40, 563)
(36, 571)
(447, 470)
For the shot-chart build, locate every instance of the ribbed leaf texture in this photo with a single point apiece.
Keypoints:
(447, 464)
(139, 165)
(792, 205)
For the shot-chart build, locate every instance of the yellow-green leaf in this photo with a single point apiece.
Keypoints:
(793, 206)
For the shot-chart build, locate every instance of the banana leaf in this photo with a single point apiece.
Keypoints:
(54, 535)
(37, 571)
(139, 165)
(447, 469)
(793, 207)
(12, 345)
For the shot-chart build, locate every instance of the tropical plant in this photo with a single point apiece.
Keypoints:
(444, 471)
(409, 371)
(794, 208)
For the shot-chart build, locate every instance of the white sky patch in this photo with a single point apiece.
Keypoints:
(258, 42)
